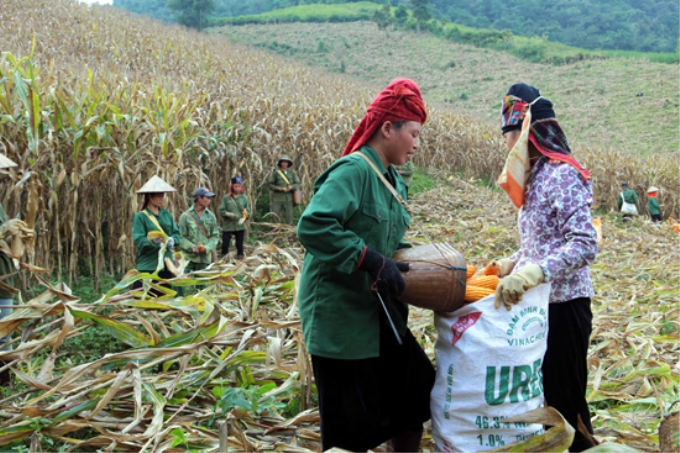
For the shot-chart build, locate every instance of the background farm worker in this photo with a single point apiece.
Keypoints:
(153, 217)
(372, 387)
(199, 232)
(6, 268)
(283, 182)
(557, 243)
(406, 171)
(627, 201)
(234, 210)
(653, 204)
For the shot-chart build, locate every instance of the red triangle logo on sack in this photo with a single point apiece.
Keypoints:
(463, 323)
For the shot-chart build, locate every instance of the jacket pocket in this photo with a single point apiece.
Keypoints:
(376, 216)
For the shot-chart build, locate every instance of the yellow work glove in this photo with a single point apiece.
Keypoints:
(245, 214)
(511, 288)
(505, 266)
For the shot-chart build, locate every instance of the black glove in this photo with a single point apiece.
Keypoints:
(385, 272)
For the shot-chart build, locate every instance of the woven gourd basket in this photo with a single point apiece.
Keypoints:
(436, 278)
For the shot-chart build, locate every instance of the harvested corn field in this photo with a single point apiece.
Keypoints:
(233, 352)
(95, 101)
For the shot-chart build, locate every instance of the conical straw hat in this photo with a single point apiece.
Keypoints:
(6, 162)
(652, 189)
(156, 185)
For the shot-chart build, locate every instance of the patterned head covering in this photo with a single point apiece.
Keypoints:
(399, 101)
(546, 133)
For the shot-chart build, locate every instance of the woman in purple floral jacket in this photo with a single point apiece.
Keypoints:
(557, 243)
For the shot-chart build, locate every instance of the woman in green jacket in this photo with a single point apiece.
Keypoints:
(153, 217)
(234, 210)
(372, 376)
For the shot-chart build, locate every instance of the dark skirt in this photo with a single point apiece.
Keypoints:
(565, 366)
(366, 402)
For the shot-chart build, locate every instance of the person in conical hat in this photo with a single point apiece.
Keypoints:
(282, 183)
(653, 204)
(363, 354)
(6, 268)
(153, 217)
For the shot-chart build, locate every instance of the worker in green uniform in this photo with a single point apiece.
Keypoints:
(6, 296)
(372, 376)
(234, 210)
(199, 232)
(282, 183)
(627, 202)
(406, 171)
(153, 217)
(653, 204)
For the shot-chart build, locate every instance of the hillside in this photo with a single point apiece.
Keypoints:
(648, 26)
(597, 100)
(643, 25)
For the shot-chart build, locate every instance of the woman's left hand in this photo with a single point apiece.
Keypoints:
(385, 272)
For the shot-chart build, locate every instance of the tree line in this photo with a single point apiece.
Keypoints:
(637, 25)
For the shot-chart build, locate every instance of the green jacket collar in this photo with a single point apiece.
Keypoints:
(192, 209)
(373, 155)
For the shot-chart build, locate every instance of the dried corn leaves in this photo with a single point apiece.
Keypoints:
(231, 351)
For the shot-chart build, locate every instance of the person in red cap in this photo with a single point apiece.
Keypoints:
(372, 376)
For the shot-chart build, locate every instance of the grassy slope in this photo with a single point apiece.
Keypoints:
(314, 13)
(595, 100)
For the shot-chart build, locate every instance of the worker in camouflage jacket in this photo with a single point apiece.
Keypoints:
(200, 232)
(406, 171)
(282, 183)
(234, 210)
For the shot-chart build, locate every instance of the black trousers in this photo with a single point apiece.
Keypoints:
(656, 217)
(565, 368)
(226, 240)
(366, 402)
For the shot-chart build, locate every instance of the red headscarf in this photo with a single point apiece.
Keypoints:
(399, 101)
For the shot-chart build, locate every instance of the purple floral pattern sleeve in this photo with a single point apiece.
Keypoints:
(556, 229)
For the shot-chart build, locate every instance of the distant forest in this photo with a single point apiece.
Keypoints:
(641, 25)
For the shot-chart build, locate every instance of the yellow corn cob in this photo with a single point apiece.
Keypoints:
(475, 293)
(484, 281)
(491, 269)
(471, 270)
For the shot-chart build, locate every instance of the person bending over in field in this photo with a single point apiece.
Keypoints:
(557, 243)
(153, 217)
(373, 378)
(282, 183)
(627, 202)
(234, 210)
